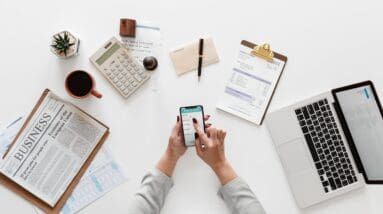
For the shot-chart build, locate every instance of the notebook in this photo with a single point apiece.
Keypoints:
(251, 83)
(185, 58)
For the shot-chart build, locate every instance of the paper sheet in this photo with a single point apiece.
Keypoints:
(103, 175)
(8, 133)
(146, 42)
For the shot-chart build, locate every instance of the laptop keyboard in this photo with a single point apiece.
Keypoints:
(326, 146)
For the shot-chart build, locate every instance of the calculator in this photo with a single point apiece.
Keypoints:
(122, 70)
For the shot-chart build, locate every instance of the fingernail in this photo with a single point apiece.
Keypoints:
(208, 115)
(194, 120)
(208, 124)
(195, 135)
(178, 118)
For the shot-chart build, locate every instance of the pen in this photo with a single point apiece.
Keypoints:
(200, 58)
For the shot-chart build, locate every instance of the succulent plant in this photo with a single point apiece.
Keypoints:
(62, 43)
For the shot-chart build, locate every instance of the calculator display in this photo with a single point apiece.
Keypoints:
(107, 54)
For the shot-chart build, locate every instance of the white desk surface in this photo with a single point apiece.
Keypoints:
(329, 44)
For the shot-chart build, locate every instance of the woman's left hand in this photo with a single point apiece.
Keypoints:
(176, 148)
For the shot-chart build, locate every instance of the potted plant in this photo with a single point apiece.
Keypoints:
(65, 45)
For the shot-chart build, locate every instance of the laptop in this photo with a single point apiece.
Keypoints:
(330, 144)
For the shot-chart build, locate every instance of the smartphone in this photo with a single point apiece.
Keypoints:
(187, 114)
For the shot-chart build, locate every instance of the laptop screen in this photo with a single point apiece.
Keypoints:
(362, 114)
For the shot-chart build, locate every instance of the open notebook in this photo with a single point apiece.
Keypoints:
(51, 152)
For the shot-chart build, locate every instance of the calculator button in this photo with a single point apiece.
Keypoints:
(120, 69)
(112, 69)
(134, 84)
(115, 80)
(131, 79)
(130, 87)
(138, 77)
(143, 75)
(112, 76)
(117, 65)
(123, 80)
(119, 76)
(119, 84)
(124, 72)
(126, 91)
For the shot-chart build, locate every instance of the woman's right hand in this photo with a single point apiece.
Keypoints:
(211, 149)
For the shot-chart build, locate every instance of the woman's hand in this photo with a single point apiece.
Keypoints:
(176, 148)
(211, 149)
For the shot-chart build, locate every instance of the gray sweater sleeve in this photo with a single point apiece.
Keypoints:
(152, 194)
(155, 186)
(239, 198)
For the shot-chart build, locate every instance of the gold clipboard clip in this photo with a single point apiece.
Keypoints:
(264, 52)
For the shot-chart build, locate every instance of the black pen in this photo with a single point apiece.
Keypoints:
(200, 56)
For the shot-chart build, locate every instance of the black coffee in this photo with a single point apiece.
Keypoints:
(79, 83)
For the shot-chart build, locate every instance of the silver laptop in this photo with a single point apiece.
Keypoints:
(330, 144)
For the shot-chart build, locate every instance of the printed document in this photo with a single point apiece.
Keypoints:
(250, 86)
(146, 42)
(51, 149)
(103, 175)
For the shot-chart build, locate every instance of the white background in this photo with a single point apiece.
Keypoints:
(329, 44)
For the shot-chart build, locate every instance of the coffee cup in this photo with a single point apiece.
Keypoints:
(80, 84)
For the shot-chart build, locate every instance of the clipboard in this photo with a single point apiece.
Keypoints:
(237, 106)
(264, 51)
(19, 190)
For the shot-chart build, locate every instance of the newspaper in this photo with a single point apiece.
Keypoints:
(51, 149)
(103, 175)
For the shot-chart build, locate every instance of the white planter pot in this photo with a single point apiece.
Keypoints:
(72, 51)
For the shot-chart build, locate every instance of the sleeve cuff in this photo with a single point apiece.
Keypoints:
(160, 177)
(231, 187)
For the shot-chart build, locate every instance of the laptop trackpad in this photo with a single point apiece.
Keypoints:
(295, 157)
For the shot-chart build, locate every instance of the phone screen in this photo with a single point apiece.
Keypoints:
(187, 115)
